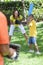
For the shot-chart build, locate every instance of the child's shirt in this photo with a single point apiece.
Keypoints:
(32, 28)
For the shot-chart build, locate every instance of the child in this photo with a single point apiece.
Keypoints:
(32, 34)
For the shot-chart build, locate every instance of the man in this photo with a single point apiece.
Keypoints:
(4, 40)
(15, 20)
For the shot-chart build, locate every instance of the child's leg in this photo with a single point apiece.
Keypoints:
(37, 49)
(30, 46)
(36, 46)
(31, 49)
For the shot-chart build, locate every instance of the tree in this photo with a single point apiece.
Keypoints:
(24, 10)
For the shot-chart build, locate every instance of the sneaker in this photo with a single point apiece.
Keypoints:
(31, 51)
(15, 58)
(38, 53)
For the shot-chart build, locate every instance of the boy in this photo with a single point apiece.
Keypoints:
(32, 34)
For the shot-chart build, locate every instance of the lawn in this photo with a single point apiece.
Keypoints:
(26, 58)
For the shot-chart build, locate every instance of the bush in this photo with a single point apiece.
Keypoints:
(8, 7)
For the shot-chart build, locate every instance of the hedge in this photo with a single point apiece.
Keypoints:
(8, 7)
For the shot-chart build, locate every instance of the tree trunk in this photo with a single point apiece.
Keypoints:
(24, 12)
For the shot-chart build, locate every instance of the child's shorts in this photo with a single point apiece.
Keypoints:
(32, 40)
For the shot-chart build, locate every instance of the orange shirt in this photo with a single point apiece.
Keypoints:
(4, 38)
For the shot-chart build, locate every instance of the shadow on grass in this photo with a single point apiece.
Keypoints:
(19, 39)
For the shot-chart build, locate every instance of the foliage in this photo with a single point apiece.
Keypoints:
(26, 58)
(8, 7)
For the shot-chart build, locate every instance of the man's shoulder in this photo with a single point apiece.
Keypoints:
(11, 16)
(20, 16)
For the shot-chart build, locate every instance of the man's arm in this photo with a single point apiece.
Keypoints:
(11, 20)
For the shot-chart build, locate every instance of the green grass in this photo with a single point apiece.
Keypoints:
(26, 58)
